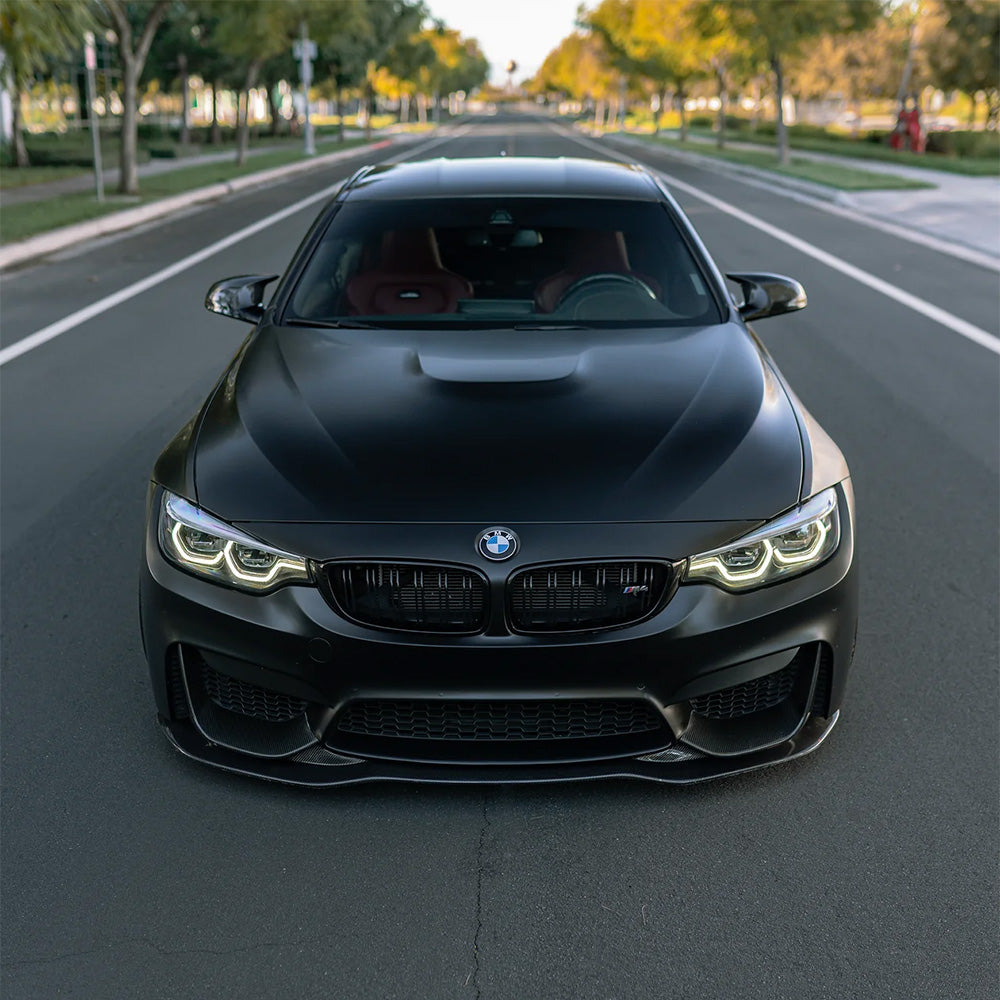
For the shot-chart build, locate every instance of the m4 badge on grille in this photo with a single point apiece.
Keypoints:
(637, 589)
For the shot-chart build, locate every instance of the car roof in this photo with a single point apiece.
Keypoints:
(524, 176)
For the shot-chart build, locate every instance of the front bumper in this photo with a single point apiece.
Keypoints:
(291, 644)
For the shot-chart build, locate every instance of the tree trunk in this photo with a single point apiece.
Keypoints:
(779, 89)
(128, 169)
(421, 108)
(243, 112)
(720, 139)
(661, 103)
(404, 109)
(21, 158)
(681, 101)
(242, 126)
(272, 111)
(599, 114)
(182, 68)
(369, 107)
(216, 133)
(437, 107)
(132, 60)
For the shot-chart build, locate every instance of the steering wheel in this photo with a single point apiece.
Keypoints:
(591, 284)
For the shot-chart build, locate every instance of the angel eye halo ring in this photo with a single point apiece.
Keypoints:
(205, 546)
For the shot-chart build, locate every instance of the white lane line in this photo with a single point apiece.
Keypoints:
(61, 326)
(955, 323)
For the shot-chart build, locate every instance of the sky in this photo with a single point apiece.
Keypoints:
(523, 30)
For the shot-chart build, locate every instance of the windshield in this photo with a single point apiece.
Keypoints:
(507, 261)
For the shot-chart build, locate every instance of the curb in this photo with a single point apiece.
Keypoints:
(777, 181)
(58, 239)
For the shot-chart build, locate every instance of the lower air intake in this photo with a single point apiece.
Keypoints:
(498, 720)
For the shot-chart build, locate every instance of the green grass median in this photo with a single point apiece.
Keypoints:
(19, 221)
(833, 175)
(859, 149)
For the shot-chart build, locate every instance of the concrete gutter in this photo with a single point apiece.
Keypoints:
(43, 244)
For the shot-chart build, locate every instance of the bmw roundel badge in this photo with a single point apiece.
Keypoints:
(497, 543)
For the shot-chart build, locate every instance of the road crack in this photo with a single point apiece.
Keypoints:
(480, 850)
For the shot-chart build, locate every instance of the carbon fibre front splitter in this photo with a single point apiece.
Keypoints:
(339, 770)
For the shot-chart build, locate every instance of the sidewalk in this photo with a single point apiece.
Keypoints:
(958, 209)
(85, 182)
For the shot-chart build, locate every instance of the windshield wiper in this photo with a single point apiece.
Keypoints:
(550, 326)
(333, 324)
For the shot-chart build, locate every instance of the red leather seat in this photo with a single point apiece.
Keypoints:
(593, 252)
(409, 278)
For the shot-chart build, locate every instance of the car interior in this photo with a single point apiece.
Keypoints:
(501, 269)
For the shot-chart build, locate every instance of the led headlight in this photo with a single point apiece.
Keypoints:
(794, 543)
(205, 546)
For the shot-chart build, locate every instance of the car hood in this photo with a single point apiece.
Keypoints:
(499, 427)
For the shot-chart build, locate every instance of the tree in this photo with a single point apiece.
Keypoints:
(250, 33)
(404, 61)
(781, 27)
(31, 33)
(135, 24)
(578, 68)
(864, 64)
(963, 53)
(389, 22)
(653, 39)
(184, 46)
(456, 64)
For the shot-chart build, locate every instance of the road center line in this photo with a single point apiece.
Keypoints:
(61, 326)
(955, 323)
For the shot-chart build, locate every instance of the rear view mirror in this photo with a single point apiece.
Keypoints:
(241, 297)
(769, 295)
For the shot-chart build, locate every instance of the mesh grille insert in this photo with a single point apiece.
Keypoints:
(498, 720)
(569, 597)
(749, 697)
(411, 596)
(238, 696)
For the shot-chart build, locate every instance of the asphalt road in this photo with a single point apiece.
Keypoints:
(866, 870)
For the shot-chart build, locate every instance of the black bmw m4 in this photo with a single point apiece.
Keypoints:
(501, 487)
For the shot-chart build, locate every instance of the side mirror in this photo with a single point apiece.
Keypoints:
(241, 297)
(769, 295)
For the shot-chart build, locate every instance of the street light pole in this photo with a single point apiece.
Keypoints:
(305, 51)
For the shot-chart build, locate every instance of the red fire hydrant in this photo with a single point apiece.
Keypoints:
(908, 132)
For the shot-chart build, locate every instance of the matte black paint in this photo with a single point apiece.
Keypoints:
(404, 444)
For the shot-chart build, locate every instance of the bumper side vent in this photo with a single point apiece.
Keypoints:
(242, 698)
(752, 696)
(175, 685)
(821, 697)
